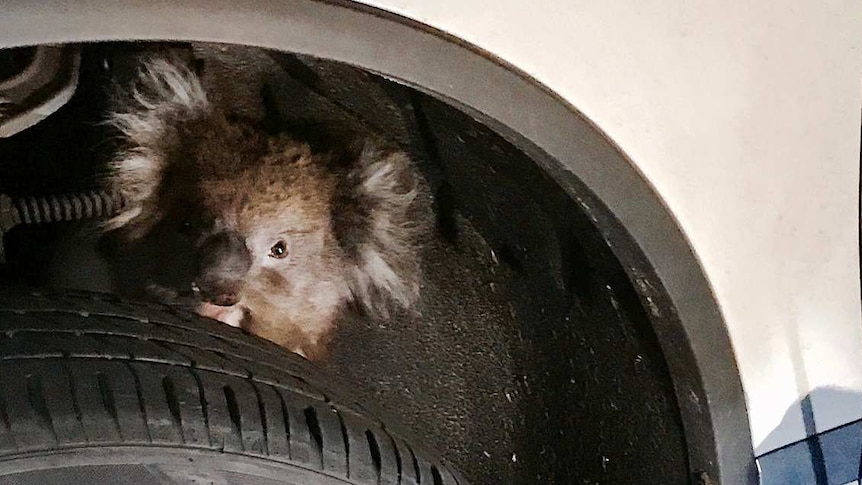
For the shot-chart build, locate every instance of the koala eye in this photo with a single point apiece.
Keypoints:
(278, 250)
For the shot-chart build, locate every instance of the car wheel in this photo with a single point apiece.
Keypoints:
(94, 389)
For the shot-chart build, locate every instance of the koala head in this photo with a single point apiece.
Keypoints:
(259, 229)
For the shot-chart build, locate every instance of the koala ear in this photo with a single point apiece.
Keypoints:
(165, 95)
(166, 92)
(379, 218)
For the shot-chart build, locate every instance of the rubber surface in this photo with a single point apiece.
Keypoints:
(114, 388)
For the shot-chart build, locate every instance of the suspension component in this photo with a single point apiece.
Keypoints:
(56, 208)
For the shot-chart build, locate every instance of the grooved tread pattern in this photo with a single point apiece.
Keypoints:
(88, 370)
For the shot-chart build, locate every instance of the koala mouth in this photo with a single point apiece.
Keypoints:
(232, 315)
(222, 300)
(224, 308)
(217, 299)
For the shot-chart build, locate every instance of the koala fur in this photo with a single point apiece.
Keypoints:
(265, 231)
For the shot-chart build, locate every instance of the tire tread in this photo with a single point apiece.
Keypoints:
(80, 369)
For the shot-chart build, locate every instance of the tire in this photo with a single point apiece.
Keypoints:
(97, 390)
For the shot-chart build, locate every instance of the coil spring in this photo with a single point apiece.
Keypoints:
(66, 207)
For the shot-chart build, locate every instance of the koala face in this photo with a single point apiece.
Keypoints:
(254, 246)
(256, 229)
(272, 249)
(260, 236)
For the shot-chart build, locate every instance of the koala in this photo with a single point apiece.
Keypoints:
(279, 233)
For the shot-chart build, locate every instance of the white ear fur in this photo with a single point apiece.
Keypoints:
(387, 266)
(166, 92)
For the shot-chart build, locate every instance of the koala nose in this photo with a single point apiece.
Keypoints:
(224, 261)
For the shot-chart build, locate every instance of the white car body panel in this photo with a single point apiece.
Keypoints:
(746, 119)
